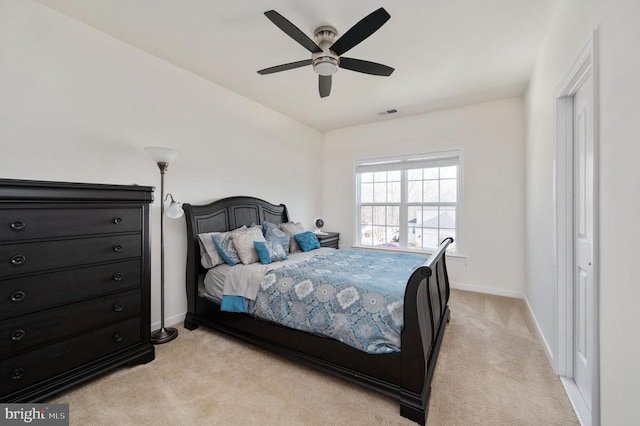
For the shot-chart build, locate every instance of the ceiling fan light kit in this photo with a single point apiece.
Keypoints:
(326, 51)
(325, 62)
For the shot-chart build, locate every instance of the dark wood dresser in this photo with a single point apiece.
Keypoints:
(74, 284)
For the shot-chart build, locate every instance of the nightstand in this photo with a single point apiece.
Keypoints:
(331, 239)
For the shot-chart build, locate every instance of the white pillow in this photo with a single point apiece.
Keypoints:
(291, 229)
(209, 256)
(243, 243)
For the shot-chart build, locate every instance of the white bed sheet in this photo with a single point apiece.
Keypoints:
(244, 280)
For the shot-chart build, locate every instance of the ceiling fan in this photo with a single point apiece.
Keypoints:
(326, 52)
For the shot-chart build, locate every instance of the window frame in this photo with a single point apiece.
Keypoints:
(403, 164)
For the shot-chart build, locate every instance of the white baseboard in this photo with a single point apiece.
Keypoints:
(169, 321)
(577, 402)
(487, 290)
(574, 395)
(547, 348)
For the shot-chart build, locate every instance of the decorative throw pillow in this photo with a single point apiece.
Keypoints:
(209, 256)
(307, 241)
(291, 229)
(243, 243)
(224, 245)
(272, 232)
(270, 251)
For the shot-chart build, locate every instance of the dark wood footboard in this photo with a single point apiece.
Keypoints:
(405, 375)
(425, 316)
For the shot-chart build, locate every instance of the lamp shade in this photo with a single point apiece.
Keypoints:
(175, 210)
(162, 155)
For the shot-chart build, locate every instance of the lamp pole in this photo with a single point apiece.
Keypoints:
(162, 157)
(163, 335)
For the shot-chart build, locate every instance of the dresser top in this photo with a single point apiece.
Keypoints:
(25, 190)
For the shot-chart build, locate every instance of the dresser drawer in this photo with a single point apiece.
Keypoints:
(19, 224)
(24, 295)
(23, 258)
(31, 367)
(22, 333)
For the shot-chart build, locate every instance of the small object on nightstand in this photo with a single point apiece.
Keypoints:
(318, 224)
(329, 239)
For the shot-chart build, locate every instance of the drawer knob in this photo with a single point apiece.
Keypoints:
(117, 276)
(117, 220)
(17, 374)
(18, 296)
(118, 307)
(18, 259)
(117, 338)
(118, 248)
(18, 225)
(18, 335)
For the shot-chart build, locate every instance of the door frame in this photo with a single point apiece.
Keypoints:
(582, 69)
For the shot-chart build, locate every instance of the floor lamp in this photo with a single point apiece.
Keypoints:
(162, 156)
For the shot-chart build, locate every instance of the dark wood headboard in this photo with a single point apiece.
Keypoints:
(219, 216)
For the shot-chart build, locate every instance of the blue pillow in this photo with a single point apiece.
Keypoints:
(224, 245)
(307, 241)
(272, 232)
(270, 251)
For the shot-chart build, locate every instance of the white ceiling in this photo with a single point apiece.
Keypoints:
(446, 53)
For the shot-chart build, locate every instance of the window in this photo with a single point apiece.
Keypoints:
(408, 203)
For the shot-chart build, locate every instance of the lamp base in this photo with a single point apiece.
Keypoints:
(163, 335)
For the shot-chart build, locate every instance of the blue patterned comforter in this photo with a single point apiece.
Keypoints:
(353, 296)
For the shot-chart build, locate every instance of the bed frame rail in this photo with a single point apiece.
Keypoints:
(425, 316)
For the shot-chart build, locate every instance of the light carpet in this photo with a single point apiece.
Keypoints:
(492, 370)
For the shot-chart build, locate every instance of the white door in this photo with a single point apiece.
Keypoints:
(584, 291)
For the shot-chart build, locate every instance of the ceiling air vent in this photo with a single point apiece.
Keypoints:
(387, 112)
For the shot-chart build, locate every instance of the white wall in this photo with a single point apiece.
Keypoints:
(491, 137)
(619, 44)
(78, 105)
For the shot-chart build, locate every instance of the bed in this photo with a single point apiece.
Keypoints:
(405, 375)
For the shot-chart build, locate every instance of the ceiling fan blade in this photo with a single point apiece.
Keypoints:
(366, 67)
(324, 84)
(292, 31)
(360, 31)
(285, 67)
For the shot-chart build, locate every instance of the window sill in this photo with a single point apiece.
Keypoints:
(453, 256)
